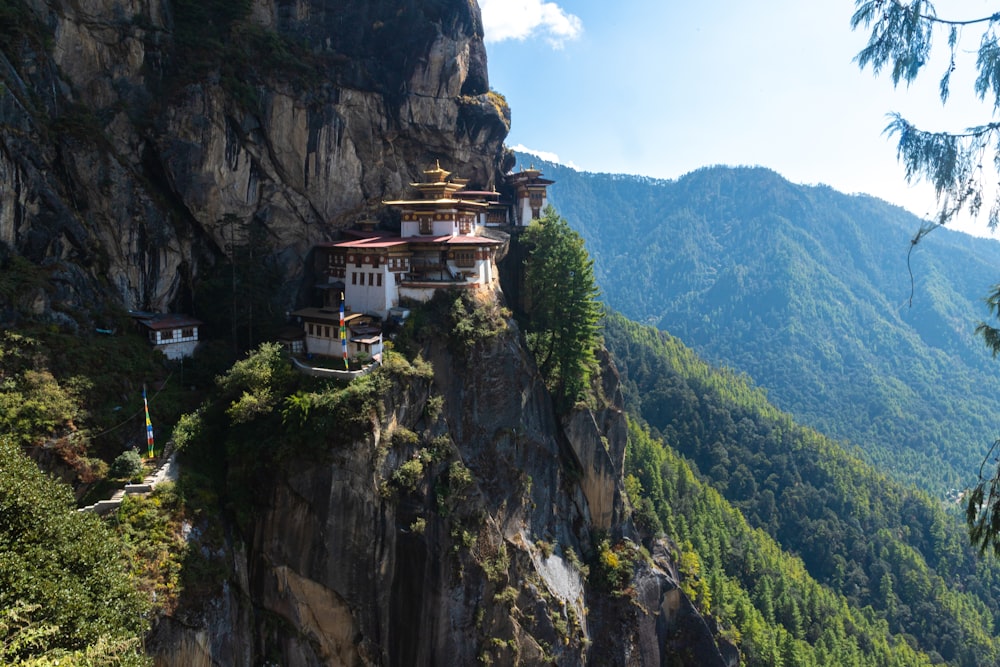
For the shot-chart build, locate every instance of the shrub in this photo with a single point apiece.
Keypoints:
(460, 317)
(63, 568)
(128, 465)
(404, 437)
(613, 566)
(545, 547)
(408, 474)
(433, 407)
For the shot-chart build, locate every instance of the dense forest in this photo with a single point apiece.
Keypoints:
(722, 471)
(807, 290)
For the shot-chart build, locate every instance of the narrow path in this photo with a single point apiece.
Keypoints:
(167, 472)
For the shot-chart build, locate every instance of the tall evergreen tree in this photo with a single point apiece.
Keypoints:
(901, 38)
(953, 162)
(562, 308)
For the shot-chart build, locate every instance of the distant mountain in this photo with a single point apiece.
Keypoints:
(806, 290)
(870, 543)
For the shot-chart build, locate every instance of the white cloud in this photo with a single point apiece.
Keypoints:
(520, 19)
(548, 156)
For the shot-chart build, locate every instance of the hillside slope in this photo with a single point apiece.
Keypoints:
(888, 550)
(807, 290)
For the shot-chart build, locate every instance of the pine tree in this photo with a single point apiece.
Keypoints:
(901, 40)
(562, 308)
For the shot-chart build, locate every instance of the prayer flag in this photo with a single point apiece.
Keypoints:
(343, 330)
(149, 425)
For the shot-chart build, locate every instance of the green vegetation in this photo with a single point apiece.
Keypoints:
(127, 466)
(33, 404)
(79, 394)
(262, 412)
(460, 317)
(806, 290)
(767, 601)
(64, 586)
(612, 568)
(18, 276)
(561, 307)
(169, 564)
(878, 555)
(901, 38)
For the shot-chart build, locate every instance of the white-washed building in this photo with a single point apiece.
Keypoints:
(439, 246)
(530, 195)
(173, 334)
(322, 333)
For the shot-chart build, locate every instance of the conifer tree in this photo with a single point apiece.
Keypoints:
(562, 308)
(953, 162)
(956, 163)
(66, 596)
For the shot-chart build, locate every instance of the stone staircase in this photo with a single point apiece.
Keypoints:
(166, 472)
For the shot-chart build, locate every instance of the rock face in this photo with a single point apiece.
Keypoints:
(138, 138)
(138, 141)
(477, 559)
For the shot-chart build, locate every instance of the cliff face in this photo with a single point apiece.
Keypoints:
(476, 555)
(138, 140)
(130, 130)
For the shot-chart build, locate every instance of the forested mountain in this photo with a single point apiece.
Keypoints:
(807, 290)
(882, 565)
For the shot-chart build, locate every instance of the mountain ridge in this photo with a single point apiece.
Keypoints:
(806, 289)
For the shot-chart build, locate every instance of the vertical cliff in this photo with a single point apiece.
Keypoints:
(139, 139)
(454, 520)
(451, 516)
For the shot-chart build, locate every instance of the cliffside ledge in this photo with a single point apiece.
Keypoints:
(456, 520)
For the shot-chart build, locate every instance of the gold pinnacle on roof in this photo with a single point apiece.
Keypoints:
(438, 186)
(437, 174)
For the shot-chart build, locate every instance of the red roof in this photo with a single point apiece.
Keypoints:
(391, 241)
(169, 321)
(370, 242)
(471, 240)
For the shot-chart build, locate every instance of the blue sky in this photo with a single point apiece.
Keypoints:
(663, 87)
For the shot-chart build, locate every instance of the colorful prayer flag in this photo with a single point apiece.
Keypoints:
(343, 331)
(149, 425)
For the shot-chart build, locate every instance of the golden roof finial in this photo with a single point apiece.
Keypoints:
(437, 174)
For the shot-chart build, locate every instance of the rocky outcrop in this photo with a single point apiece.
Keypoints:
(138, 141)
(597, 438)
(210, 631)
(134, 158)
(458, 530)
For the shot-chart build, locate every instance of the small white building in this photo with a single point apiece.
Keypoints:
(173, 334)
(530, 195)
(322, 333)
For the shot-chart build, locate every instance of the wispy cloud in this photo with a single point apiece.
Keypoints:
(521, 19)
(548, 156)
